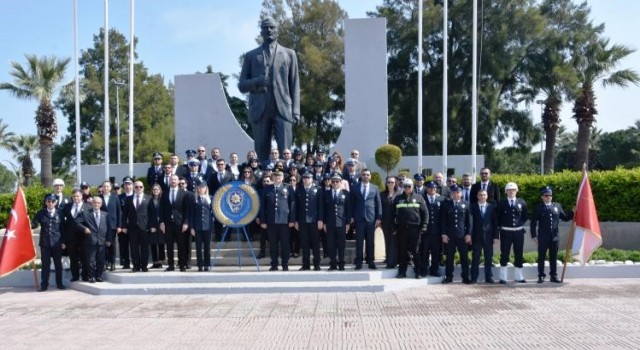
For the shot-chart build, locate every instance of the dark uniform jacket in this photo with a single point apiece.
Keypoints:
(154, 176)
(51, 228)
(411, 210)
(456, 219)
(435, 214)
(201, 214)
(71, 226)
(515, 217)
(484, 228)
(337, 211)
(309, 205)
(545, 220)
(277, 205)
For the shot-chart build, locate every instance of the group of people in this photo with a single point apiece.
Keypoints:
(306, 203)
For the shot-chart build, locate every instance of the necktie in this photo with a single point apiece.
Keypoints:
(484, 187)
(512, 201)
(138, 202)
(97, 217)
(482, 210)
(335, 195)
(173, 196)
(75, 210)
(430, 200)
(364, 191)
(466, 194)
(166, 180)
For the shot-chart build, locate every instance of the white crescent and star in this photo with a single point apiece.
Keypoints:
(11, 233)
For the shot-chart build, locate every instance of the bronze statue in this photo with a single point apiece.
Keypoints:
(270, 76)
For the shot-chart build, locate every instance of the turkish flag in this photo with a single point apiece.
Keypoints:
(17, 246)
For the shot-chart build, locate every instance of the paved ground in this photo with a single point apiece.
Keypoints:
(585, 314)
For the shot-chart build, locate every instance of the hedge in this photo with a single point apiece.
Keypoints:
(616, 192)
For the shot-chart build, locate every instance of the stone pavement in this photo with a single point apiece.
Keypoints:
(581, 314)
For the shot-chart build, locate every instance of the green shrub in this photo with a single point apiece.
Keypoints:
(388, 156)
(377, 180)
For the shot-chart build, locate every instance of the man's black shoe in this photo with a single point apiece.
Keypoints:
(316, 268)
(43, 289)
(555, 279)
(435, 274)
(358, 267)
(489, 280)
(541, 279)
(285, 268)
(467, 281)
(273, 268)
(170, 268)
(401, 275)
(260, 256)
(183, 269)
(62, 287)
(74, 279)
(372, 266)
(341, 268)
(304, 268)
(503, 282)
(447, 280)
(332, 268)
(92, 280)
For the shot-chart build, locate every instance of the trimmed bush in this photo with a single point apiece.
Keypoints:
(388, 156)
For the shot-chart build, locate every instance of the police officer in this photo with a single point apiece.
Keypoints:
(277, 216)
(456, 233)
(52, 240)
(419, 186)
(411, 218)
(337, 214)
(193, 176)
(310, 213)
(155, 172)
(544, 231)
(512, 214)
(431, 242)
(202, 224)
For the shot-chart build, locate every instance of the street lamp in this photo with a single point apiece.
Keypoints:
(118, 84)
(541, 103)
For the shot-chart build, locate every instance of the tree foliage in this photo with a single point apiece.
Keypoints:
(388, 156)
(153, 108)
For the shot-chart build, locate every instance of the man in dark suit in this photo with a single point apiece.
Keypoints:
(215, 180)
(485, 183)
(484, 234)
(165, 180)
(277, 216)
(155, 172)
(52, 238)
(270, 76)
(456, 233)
(512, 214)
(111, 204)
(431, 242)
(367, 216)
(337, 214)
(135, 223)
(544, 231)
(123, 239)
(310, 213)
(174, 223)
(75, 234)
(97, 231)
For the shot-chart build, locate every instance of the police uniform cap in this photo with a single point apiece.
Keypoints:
(193, 162)
(455, 188)
(50, 197)
(127, 179)
(307, 174)
(190, 152)
(157, 155)
(431, 184)
(320, 151)
(326, 176)
(116, 186)
(546, 190)
(277, 173)
(407, 183)
(200, 182)
(293, 166)
(418, 177)
(336, 176)
(84, 184)
(351, 161)
(297, 151)
(58, 181)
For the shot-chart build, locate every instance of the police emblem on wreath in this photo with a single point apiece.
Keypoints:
(236, 204)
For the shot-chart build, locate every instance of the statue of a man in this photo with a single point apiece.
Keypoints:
(270, 76)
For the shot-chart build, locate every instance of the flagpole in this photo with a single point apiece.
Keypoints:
(35, 273)
(572, 231)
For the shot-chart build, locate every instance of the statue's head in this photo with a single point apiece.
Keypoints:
(269, 30)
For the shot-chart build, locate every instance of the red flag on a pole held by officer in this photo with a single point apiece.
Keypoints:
(587, 235)
(17, 246)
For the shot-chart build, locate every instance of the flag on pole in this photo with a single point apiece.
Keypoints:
(587, 236)
(17, 246)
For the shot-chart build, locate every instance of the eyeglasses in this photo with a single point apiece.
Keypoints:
(201, 150)
(182, 183)
(138, 186)
(220, 164)
(335, 181)
(484, 173)
(546, 195)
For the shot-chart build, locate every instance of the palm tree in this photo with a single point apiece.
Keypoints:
(5, 136)
(597, 62)
(38, 81)
(23, 148)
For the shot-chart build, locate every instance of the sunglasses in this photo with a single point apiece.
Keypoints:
(547, 195)
(391, 182)
(138, 187)
(484, 173)
(335, 181)
(201, 150)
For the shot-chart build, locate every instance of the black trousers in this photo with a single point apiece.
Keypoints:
(508, 239)
(139, 243)
(336, 242)
(408, 240)
(157, 252)
(123, 245)
(390, 247)
(310, 242)
(110, 251)
(279, 244)
(545, 244)
(75, 247)
(94, 258)
(294, 241)
(172, 232)
(203, 247)
(46, 254)
(365, 232)
(486, 248)
(463, 251)
(430, 246)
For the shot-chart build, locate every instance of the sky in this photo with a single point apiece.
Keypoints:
(184, 36)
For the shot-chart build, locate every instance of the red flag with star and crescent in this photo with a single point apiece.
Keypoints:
(17, 246)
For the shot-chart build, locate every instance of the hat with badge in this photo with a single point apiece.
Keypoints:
(351, 161)
(50, 197)
(326, 176)
(511, 186)
(546, 190)
(127, 179)
(320, 151)
(116, 186)
(58, 181)
(418, 177)
(318, 165)
(297, 151)
(193, 162)
(191, 153)
(336, 176)
(431, 184)
(407, 183)
(455, 188)
(200, 182)
(157, 155)
(277, 173)
(307, 174)
(84, 184)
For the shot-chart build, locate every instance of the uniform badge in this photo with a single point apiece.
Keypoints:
(555, 210)
(284, 190)
(462, 206)
(342, 196)
(315, 190)
(519, 206)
